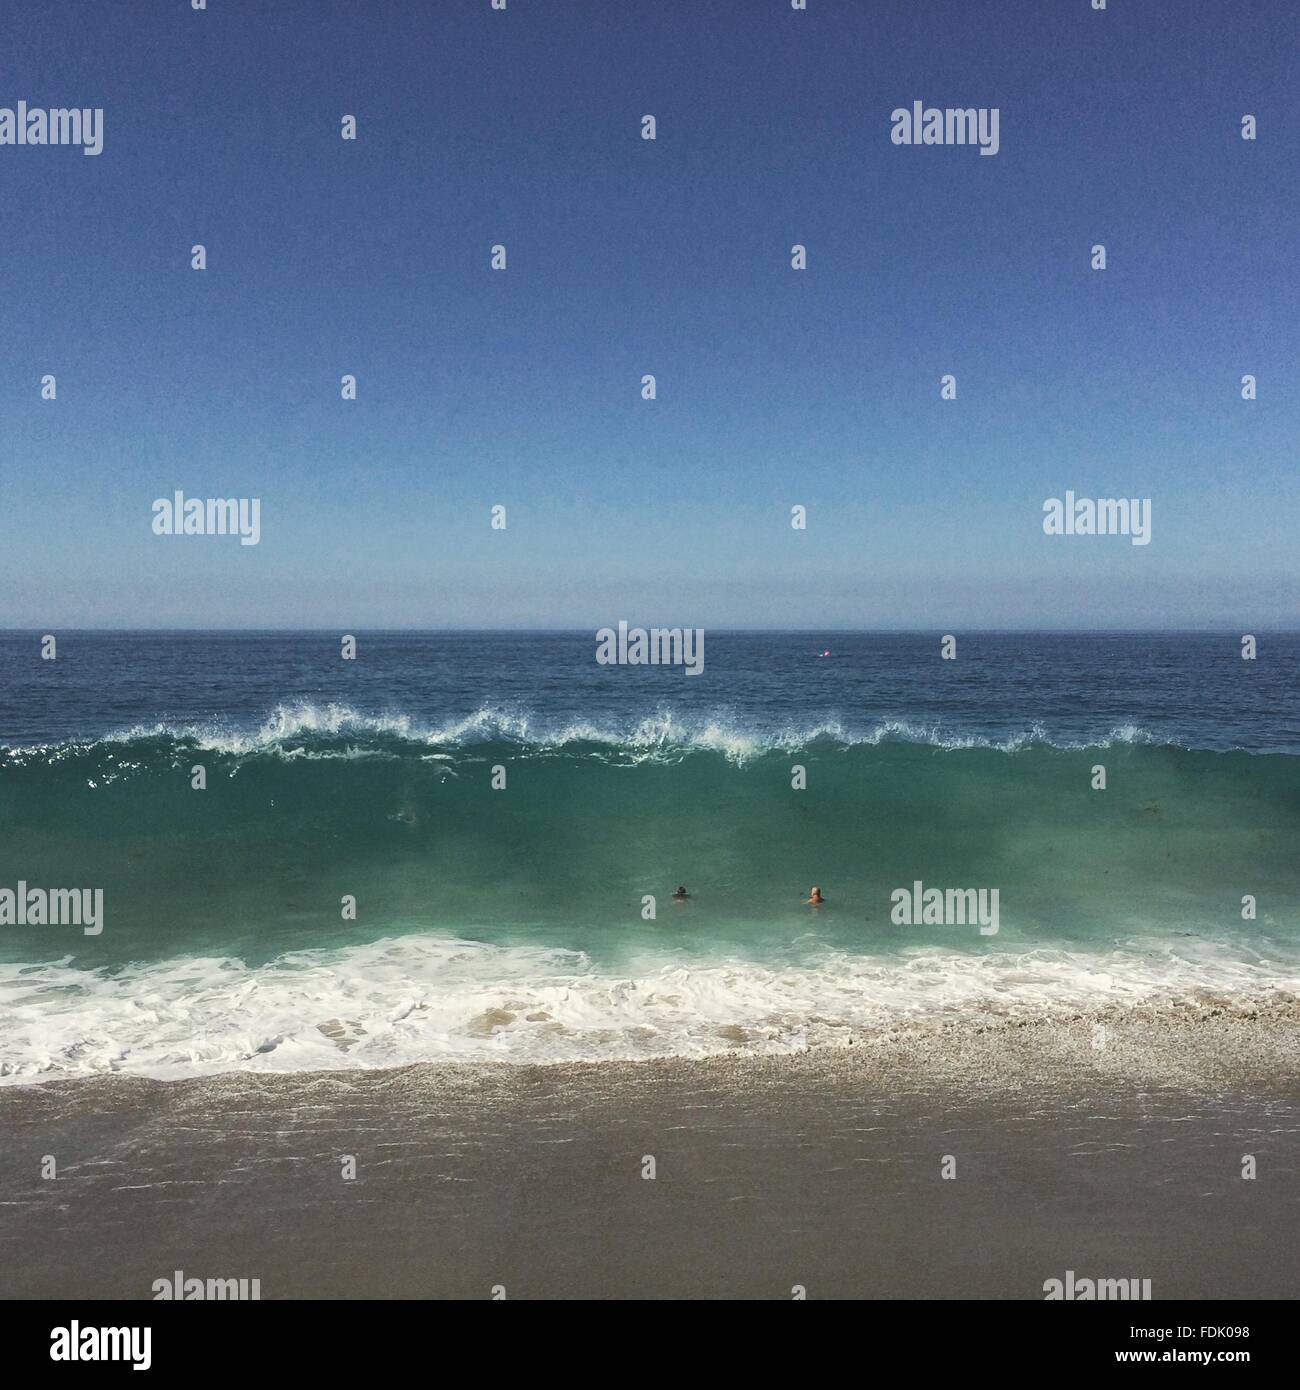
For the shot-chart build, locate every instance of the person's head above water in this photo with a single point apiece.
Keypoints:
(815, 895)
(681, 892)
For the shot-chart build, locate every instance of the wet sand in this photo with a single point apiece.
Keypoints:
(1115, 1154)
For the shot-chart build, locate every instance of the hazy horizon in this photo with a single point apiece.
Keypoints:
(591, 629)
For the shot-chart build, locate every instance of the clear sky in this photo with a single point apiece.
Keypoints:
(670, 257)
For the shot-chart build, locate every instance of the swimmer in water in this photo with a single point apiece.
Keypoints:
(680, 895)
(815, 898)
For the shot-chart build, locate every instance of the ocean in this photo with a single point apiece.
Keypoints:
(512, 923)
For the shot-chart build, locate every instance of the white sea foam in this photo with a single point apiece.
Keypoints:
(289, 728)
(418, 998)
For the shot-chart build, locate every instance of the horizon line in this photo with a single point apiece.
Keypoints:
(583, 631)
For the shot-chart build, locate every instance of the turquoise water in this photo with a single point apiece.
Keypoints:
(514, 922)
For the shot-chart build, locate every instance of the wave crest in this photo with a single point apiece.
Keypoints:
(299, 727)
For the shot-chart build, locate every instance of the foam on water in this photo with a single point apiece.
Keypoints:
(422, 998)
(305, 729)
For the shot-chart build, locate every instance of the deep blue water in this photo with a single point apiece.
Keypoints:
(1191, 689)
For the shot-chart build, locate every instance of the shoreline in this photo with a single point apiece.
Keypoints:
(905, 1039)
(820, 1169)
(1264, 1031)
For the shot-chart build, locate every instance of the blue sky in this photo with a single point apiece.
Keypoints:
(670, 257)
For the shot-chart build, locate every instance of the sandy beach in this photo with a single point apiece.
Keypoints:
(1111, 1145)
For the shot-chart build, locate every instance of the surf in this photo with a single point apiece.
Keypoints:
(422, 998)
(509, 831)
